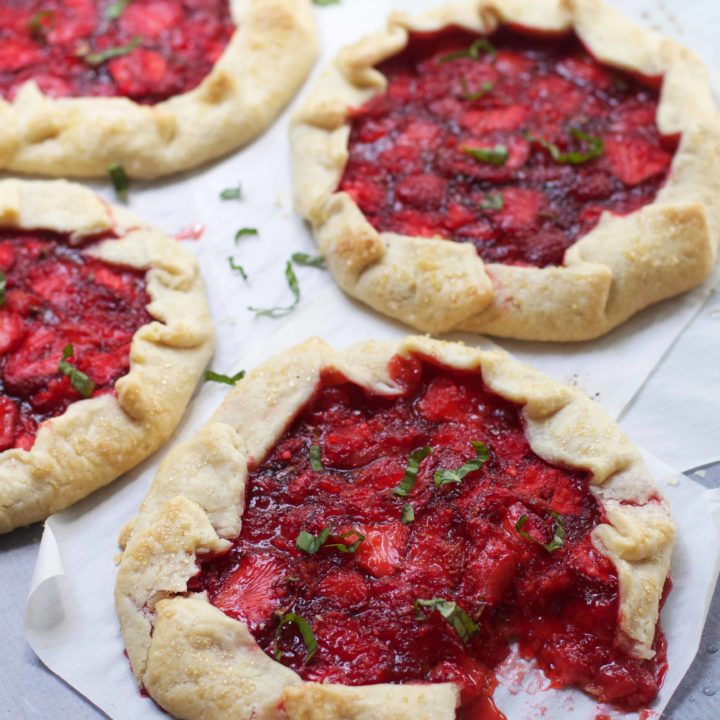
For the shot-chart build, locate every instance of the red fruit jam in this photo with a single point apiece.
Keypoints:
(146, 50)
(461, 547)
(56, 296)
(411, 170)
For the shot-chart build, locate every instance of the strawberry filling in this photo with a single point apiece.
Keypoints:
(505, 537)
(146, 50)
(517, 145)
(57, 296)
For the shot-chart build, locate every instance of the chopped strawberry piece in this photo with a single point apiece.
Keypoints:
(140, 72)
(17, 54)
(419, 134)
(345, 587)
(520, 208)
(367, 195)
(11, 331)
(151, 19)
(381, 551)
(444, 400)
(9, 416)
(457, 216)
(254, 590)
(587, 71)
(481, 122)
(490, 571)
(349, 445)
(634, 161)
(7, 256)
(422, 191)
(351, 645)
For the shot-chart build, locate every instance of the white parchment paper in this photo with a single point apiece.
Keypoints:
(70, 621)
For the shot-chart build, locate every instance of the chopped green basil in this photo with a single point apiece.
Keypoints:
(120, 181)
(237, 268)
(344, 548)
(231, 193)
(211, 376)
(492, 201)
(99, 58)
(413, 465)
(481, 46)
(408, 514)
(452, 612)
(443, 477)
(38, 27)
(493, 156)
(244, 232)
(305, 260)
(485, 88)
(303, 626)
(309, 543)
(315, 461)
(78, 379)
(558, 533)
(3, 287)
(595, 148)
(116, 9)
(326, 2)
(277, 312)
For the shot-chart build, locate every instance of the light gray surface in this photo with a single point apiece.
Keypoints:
(28, 690)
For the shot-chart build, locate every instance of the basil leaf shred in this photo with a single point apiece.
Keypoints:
(444, 477)
(413, 465)
(485, 88)
(309, 543)
(232, 193)
(245, 232)
(237, 268)
(99, 58)
(481, 46)
(595, 148)
(460, 621)
(120, 181)
(116, 9)
(306, 260)
(211, 376)
(408, 514)
(315, 461)
(493, 201)
(38, 27)
(281, 311)
(308, 636)
(558, 533)
(497, 155)
(78, 379)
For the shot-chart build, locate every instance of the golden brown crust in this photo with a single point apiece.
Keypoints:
(268, 57)
(188, 654)
(620, 267)
(98, 439)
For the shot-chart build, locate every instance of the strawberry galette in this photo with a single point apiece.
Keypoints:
(364, 534)
(104, 331)
(157, 86)
(539, 170)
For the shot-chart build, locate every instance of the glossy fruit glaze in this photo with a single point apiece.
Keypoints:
(409, 172)
(54, 42)
(463, 546)
(57, 295)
